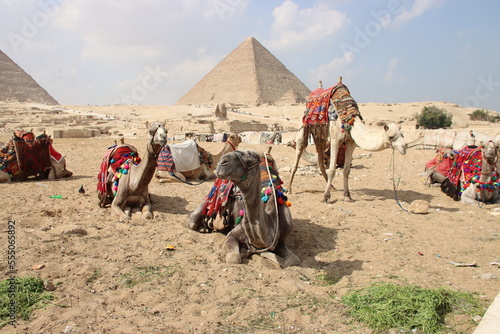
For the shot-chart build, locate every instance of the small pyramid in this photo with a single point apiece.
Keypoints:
(18, 86)
(250, 75)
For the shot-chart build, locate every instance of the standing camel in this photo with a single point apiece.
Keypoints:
(129, 186)
(206, 169)
(266, 219)
(348, 127)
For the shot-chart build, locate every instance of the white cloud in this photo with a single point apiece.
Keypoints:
(293, 27)
(333, 68)
(418, 8)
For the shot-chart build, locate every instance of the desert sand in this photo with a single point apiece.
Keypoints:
(112, 277)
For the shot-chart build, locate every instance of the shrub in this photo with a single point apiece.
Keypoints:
(434, 118)
(479, 115)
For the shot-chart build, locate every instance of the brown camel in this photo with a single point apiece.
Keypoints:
(347, 128)
(265, 220)
(132, 189)
(26, 155)
(206, 170)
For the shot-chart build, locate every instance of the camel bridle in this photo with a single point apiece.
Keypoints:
(153, 134)
(244, 164)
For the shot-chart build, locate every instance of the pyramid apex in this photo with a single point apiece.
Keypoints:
(250, 74)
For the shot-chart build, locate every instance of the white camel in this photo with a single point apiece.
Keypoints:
(352, 132)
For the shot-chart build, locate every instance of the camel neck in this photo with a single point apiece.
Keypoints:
(369, 139)
(144, 170)
(257, 222)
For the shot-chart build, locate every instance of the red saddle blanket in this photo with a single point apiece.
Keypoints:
(26, 155)
(114, 158)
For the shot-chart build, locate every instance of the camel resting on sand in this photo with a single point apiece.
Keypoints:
(485, 187)
(26, 155)
(266, 220)
(205, 171)
(473, 177)
(131, 192)
(436, 168)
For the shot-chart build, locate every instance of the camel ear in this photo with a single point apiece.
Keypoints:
(147, 125)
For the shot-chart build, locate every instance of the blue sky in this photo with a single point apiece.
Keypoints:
(154, 51)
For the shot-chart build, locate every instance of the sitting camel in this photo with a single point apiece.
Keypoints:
(207, 166)
(265, 219)
(348, 127)
(24, 156)
(436, 168)
(473, 177)
(127, 186)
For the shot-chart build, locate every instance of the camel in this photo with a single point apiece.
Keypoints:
(473, 178)
(131, 192)
(485, 187)
(436, 168)
(348, 127)
(265, 220)
(206, 169)
(38, 158)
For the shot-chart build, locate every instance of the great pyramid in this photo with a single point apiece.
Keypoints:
(18, 86)
(249, 75)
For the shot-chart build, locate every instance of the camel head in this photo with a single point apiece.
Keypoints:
(490, 151)
(291, 144)
(235, 165)
(395, 137)
(234, 140)
(157, 133)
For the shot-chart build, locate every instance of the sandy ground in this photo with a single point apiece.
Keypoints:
(112, 277)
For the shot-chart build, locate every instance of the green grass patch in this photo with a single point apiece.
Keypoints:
(28, 293)
(324, 279)
(387, 306)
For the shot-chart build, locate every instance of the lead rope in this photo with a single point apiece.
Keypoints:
(394, 181)
(277, 214)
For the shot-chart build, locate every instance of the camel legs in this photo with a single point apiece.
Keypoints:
(300, 147)
(124, 217)
(347, 170)
(282, 256)
(334, 151)
(147, 211)
(320, 144)
(195, 221)
(231, 246)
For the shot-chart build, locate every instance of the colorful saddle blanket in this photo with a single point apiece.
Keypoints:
(116, 161)
(26, 155)
(467, 164)
(318, 104)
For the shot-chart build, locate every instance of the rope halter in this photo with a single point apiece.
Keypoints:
(244, 164)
